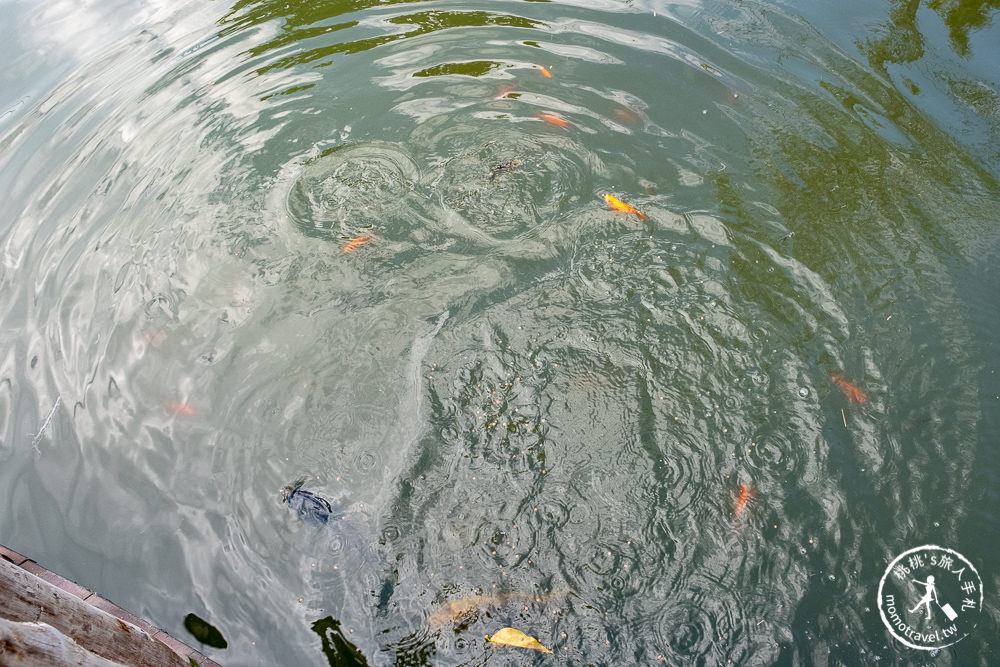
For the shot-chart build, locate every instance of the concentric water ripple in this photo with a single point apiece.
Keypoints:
(702, 627)
(367, 244)
(341, 191)
(503, 199)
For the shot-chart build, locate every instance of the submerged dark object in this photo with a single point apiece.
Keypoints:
(345, 542)
(306, 503)
(339, 651)
(503, 168)
(204, 632)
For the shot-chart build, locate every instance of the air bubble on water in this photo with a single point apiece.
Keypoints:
(802, 550)
(803, 392)
(831, 577)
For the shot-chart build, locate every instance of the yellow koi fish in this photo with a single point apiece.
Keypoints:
(619, 205)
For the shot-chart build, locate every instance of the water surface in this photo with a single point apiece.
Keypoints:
(511, 392)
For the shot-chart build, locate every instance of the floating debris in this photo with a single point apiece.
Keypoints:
(514, 637)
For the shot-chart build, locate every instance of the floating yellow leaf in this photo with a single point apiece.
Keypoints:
(512, 637)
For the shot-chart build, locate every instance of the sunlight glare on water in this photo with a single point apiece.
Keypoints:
(367, 245)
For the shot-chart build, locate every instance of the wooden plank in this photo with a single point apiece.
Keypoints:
(25, 597)
(37, 644)
(11, 555)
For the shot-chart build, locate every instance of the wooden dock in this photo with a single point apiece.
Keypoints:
(46, 619)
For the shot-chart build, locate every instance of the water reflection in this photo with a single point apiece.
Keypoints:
(905, 42)
(962, 17)
(522, 391)
(299, 19)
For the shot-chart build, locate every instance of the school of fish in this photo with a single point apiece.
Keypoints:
(550, 118)
(318, 509)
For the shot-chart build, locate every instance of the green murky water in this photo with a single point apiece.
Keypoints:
(698, 435)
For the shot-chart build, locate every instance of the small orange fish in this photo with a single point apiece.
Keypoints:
(180, 408)
(626, 116)
(553, 119)
(852, 392)
(619, 205)
(357, 242)
(546, 73)
(741, 500)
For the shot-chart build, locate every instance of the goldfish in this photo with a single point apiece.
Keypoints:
(852, 392)
(619, 205)
(741, 500)
(546, 73)
(552, 119)
(626, 116)
(356, 242)
(180, 408)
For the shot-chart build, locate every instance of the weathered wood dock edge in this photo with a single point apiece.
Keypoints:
(46, 619)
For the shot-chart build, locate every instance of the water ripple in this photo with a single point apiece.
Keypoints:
(510, 389)
(341, 190)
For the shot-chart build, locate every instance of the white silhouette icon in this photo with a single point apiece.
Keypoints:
(930, 593)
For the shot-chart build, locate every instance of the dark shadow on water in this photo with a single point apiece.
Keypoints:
(204, 632)
(339, 651)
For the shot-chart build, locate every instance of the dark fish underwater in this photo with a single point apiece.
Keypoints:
(344, 538)
(502, 169)
(307, 504)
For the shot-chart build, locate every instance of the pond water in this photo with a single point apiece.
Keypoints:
(255, 244)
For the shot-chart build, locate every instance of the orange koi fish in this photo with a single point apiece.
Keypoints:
(626, 116)
(357, 242)
(546, 73)
(852, 392)
(741, 500)
(552, 119)
(619, 205)
(179, 408)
